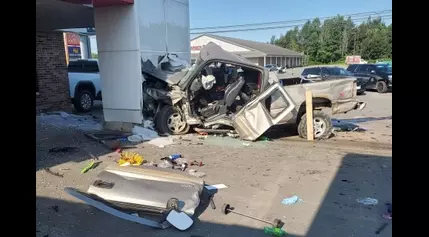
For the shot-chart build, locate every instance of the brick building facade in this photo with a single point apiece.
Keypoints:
(52, 86)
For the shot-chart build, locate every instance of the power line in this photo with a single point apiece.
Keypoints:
(292, 21)
(359, 19)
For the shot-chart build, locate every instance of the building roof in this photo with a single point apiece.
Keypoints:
(268, 49)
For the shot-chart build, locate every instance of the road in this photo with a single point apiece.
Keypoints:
(328, 177)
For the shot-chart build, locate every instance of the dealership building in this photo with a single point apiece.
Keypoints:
(259, 53)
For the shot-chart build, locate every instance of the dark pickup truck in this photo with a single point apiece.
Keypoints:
(377, 76)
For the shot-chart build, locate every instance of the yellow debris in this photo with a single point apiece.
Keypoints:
(130, 158)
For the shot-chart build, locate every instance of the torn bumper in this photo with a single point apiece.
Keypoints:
(344, 106)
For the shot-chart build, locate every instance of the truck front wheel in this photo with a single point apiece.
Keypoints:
(169, 120)
(322, 125)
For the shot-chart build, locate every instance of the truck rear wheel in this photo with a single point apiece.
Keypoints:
(322, 125)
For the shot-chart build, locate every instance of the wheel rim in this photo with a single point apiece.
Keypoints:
(85, 101)
(176, 123)
(319, 127)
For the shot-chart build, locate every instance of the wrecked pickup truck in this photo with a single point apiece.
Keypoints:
(223, 93)
(339, 95)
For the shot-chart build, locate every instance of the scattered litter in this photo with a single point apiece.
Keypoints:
(55, 208)
(165, 164)
(196, 173)
(161, 142)
(63, 149)
(246, 144)
(291, 200)
(233, 135)
(49, 171)
(273, 231)
(215, 186)
(265, 138)
(64, 168)
(135, 138)
(200, 164)
(130, 158)
(341, 126)
(66, 120)
(145, 134)
(91, 165)
(388, 214)
(175, 156)
(149, 124)
(150, 164)
(367, 201)
(382, 227)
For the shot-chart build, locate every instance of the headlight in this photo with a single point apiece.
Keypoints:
(390, 77)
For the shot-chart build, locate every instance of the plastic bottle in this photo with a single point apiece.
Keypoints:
(274, 231)
(175, 156)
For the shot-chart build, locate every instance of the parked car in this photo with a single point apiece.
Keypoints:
(249, 102)
(376, 76)
(332, 73)
(272, 67)
(84, 83)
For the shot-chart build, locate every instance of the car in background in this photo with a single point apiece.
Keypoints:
(272, 67)
(332, 73)
(84, 83)
(377, 76)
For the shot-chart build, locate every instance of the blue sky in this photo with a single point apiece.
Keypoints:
(204, 13)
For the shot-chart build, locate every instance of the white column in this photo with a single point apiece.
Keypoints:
(265, 61)
(84, 46)
(118, 44)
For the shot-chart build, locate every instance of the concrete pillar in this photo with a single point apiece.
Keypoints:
(118, 44)
(126, 35)
(265, 61)
(84, 47)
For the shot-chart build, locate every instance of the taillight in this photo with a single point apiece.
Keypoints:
(259, 81)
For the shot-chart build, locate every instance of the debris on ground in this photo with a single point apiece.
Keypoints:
(161, 142)
(273, 231)
(165, 164)
(66, 120)
(291, 200)
(388, 214)
(196, 173)
(264, 138)
(196, 163)
(63, 149)
(92, 165)
(367, 201)
(215, 186)
(141, 134)
(341, 126)
(246, 144)
(381, 228)
(130, 158)
(49, 171)
(55, 208)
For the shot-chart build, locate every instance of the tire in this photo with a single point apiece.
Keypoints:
(83, 101)
(321, 133)
(165, 121)
(381, 87)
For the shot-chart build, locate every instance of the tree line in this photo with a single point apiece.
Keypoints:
(338, 37)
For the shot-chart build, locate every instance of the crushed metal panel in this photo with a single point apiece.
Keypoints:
(254, 119)
(172, 97)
